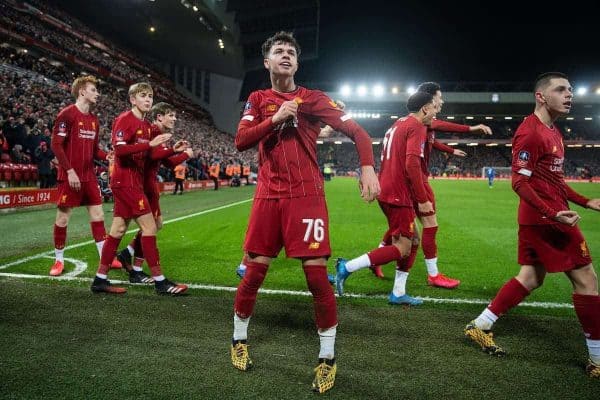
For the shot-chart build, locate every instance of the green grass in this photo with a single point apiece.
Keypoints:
(58, 340)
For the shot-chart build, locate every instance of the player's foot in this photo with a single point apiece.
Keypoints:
(239, 355)
(485, 339)
(240, 272)
(167, 287)
(593, 369)
(139, 277)
(104, 286)
(404, 300)
(377, 271)
(124, 256)
(331, 279)
(116, 264)
(57, 268)
(442, 281)
(324, 375)
(341, 274)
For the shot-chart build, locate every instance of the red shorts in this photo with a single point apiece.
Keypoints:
(153, 199)
(130, 203)
(401, 220)
(556, 247)
(430, 197)
(87, 195)
(301, 225)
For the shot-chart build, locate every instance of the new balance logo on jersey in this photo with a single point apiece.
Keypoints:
(63, 199)
(271, 107)
(314, 246)
(141, 204)
(584, 249)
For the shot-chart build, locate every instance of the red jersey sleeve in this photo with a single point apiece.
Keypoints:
(175, 160)
(445, 126)
(328, 112)
(122, 134)
(415, 145)
(60, 131)
(575, 197)
(443, 147)
(161, 152)
(251, 129)
(526, 151)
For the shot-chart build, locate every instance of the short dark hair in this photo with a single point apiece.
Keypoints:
(543, 80)
(280, 37)
(417, 100)
(160, 109)
(429, 87)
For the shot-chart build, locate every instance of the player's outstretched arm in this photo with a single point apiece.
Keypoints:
(593, 204)
(448, 149)
(482, 129)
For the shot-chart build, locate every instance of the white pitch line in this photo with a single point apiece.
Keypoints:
(74, 246)
(534, 304)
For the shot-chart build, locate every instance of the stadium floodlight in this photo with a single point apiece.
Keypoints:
(491, 144)
(378, 90)
(582, 90)
(361, 90)
(597, 145)
(507, 117)
(588, 145)
(453, 144)
(495, 97)
(588, 118)
(469, 117)
(411, 90)
(346, 90)
(195, 8)
(450, 117)
(570, 118)
(472, 144)
(508, 145)
(319, 142)
(152, 29)
(395, 90)
(338, 142)
(376, 116)
(376, 143)
(598, 91)
(394, 117)
(489, 117)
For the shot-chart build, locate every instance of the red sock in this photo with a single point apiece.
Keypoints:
(109, 250)
(407, 263)
(60, 236)
(511, 294)
(587, 308)
(245, 297)
(384, 255)
(151, 254)
(429, 245)
(136, 243)
(98, 231)
(323, 297)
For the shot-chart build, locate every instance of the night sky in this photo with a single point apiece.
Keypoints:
(492, 41)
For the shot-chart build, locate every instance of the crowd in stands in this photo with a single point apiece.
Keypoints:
(35, 85)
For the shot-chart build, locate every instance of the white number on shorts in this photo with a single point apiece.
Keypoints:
(316, 227)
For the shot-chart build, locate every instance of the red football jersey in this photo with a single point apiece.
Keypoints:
(129, 130)
(438, 125)
(288, 153)
(159, 154)
(406, 136)
(75, 143)
(538, 153)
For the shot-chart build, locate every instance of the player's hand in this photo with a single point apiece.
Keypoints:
(110, 156)
(426, 208)
(189, 152)
(481, 128)
(288, 109)
(74, 181)
(459, 153)
(593, 204)
(567, 217)
(160, 139)
(180, 146)
(369, 184)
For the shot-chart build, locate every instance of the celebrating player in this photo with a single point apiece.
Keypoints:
(289, 207)
(549, 240)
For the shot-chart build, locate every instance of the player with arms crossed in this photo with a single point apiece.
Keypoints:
(163, 117)
(132, 139)
(75, 144)
(549, 240)
(289, 208)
